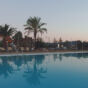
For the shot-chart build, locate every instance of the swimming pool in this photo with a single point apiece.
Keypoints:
(67, 70)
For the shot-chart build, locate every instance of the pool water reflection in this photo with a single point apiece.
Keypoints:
(44, 71)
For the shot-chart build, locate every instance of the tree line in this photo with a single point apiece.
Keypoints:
(9, 34)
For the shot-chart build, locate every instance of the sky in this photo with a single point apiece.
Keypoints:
(67, 19)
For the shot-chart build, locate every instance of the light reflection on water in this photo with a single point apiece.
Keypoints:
(44, 71)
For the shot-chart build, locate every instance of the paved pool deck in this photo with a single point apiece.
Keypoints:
(41, 52)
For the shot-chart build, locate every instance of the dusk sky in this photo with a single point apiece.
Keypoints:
(65, 18)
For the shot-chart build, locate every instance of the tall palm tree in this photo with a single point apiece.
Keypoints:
(34, 25)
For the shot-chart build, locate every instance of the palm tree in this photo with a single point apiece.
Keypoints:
(34, 25)
(6, 30)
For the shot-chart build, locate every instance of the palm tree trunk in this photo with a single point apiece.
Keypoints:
(35, 33)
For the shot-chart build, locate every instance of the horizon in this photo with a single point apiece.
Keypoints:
(64, 18)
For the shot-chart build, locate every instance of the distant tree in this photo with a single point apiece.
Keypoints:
(34, 25)
(40, 43)
(67, 44)
(18, 38)
(40, 39)
(79, 45)
(85, 45)
(18, 35)
(55, 41)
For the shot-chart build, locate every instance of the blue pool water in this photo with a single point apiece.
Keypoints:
(44, 71)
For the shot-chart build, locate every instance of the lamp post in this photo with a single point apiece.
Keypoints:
(82, 46)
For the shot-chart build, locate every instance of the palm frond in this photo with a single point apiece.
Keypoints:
(41, 24)
(42, 30)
